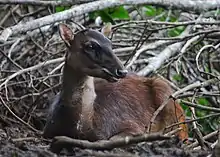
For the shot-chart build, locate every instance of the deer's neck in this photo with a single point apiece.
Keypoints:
(78, 92)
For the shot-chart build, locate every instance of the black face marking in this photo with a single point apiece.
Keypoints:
(93, 50)
(96, 47)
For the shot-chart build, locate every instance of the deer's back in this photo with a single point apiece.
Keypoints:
(128, 105)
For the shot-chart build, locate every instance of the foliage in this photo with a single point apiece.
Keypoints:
(176, 31)
(61, 8)
(178, 77)
(110, 14)
(206, 125)
(153, 11)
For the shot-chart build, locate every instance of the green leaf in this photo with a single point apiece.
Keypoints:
(105, 16)
(109, 14)
(176, 31)
(14, 154)
(217, 12)
(119, 13)
(173, 18)
(61, 8)
(162, 18)
(186, 109)
(180, 28)
(153, 11)
(207, 69)
(178, 77)
(150, 10)
(201, 114)
(203, 101)
(93, 15)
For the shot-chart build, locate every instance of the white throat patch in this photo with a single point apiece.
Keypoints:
(88, 98)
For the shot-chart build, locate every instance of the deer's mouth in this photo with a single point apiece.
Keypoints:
(112, 77)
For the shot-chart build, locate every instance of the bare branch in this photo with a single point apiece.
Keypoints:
(157, 61)
(61, 141)
(31, 68)
(18, 118)
(200, 106)
(45, 3)
(199, 5)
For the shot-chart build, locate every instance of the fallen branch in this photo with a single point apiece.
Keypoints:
(60, 142)
(214, 133)
(45, 3)
(144, 49)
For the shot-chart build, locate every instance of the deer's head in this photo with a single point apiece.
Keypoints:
(90, 52)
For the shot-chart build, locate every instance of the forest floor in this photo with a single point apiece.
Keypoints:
(17, 141)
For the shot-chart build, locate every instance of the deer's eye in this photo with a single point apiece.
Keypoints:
(88, 47)
(92, 46)
(93, 51)
(95, 46)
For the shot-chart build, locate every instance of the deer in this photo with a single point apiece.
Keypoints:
(100, 99)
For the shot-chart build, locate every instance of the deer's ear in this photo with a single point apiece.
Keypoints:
(66, 33)
(107, 29)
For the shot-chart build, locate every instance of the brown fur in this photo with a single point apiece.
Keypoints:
(119, 109)
(128, 105)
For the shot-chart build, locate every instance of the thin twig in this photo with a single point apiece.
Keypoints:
(42, 64)
(18, 118)
(213, 109)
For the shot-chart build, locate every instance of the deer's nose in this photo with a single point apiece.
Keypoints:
(121, 73)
